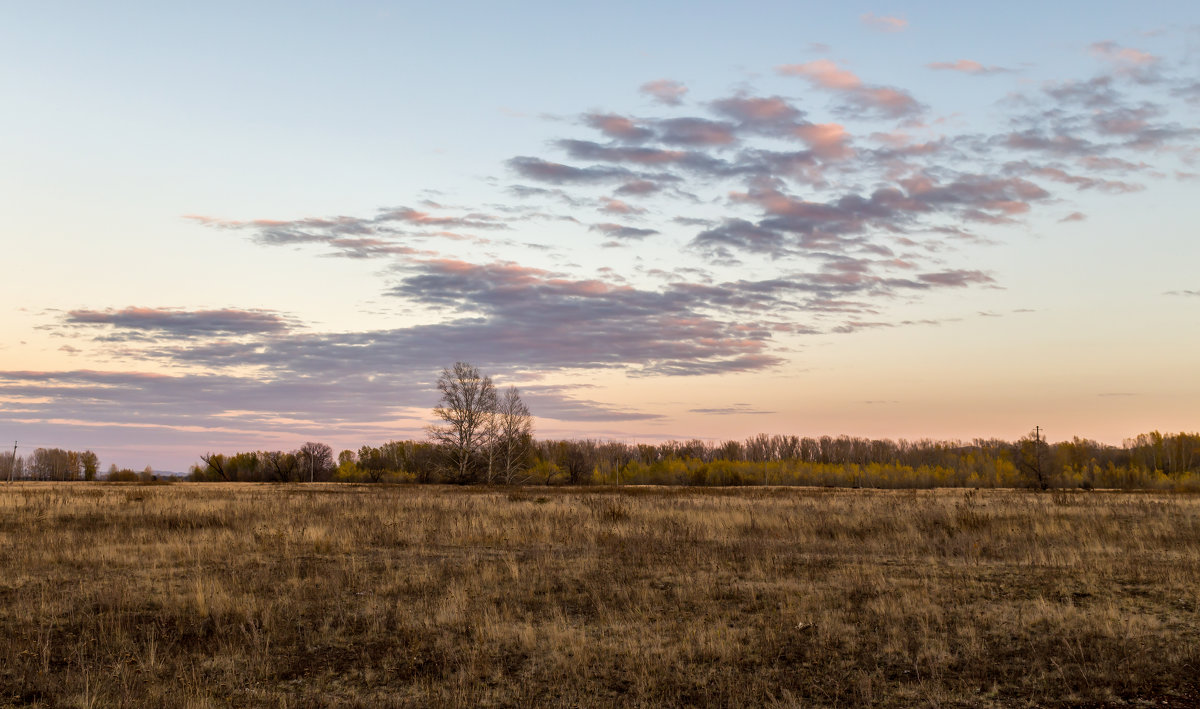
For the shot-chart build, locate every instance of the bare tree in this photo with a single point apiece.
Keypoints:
(317, 458)
(491, 437)
(54, 464)
(467, 407)
(514, 435)
(1030, 452)
(577, 459)
(11, 464)
(281, 465)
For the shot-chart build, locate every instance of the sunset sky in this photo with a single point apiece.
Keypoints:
(237, 226)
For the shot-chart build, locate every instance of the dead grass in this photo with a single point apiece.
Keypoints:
(293, 596)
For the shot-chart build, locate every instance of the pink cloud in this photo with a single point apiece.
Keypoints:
(966, 66)
(618, 127)
(616, 206)
(1084, 183)
(751, 109)
(666, 91)
(774, 202)
(1126, 61)
(639, 187)
(893, 101)
(1122, 55)
(1007, 206)
(588, 288)
(827, 140)
(1109, 163)
(502, 274)
(823, 73)
(884, 23)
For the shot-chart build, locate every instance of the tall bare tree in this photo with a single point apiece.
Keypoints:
(514, 436)
(317, 460)
(466, 409)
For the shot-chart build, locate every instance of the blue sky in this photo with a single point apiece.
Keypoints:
(236, 226)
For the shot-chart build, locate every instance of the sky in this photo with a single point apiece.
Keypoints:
(241, 226)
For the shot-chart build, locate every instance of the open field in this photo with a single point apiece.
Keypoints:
(253, 595)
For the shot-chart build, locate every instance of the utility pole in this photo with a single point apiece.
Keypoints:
(13, 464)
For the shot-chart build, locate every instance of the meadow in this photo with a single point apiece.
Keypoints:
(297, 595)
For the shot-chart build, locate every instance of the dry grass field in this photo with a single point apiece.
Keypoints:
(197, 595)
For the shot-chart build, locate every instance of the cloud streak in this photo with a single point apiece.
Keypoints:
(173, 322)
(967, 66)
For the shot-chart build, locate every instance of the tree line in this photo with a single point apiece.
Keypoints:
(62, 465)
(1152, 460)
(485, 436)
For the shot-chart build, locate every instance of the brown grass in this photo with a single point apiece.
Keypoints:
(255, 595)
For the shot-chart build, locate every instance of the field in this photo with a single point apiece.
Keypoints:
(205, 595)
